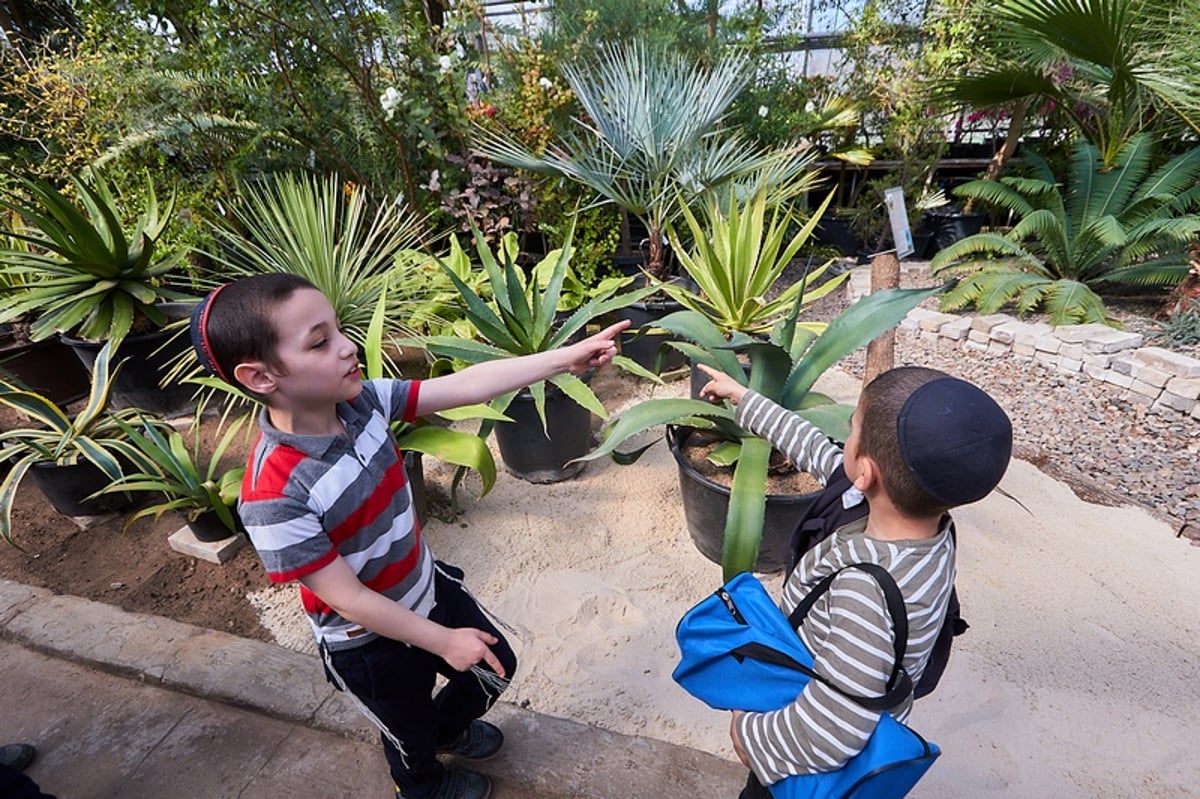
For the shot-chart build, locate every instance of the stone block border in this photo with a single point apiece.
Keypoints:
(1165, 381)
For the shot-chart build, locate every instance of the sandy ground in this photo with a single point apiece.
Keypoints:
(1079, 677)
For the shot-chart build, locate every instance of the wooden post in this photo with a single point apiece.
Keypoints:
(881, 353)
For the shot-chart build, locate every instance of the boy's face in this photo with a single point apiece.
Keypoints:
(320, 365)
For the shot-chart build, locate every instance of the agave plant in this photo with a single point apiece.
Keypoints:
(784, 369)
(737, 255)
(651, 135)
(1124, 226)
(81, 273)
(523, 318)
(93, 435)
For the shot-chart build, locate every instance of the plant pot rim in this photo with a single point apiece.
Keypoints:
(675, 441)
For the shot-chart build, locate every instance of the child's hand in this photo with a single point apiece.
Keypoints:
(738, 749)
(720, 386)
(466, 646)
(594, 351)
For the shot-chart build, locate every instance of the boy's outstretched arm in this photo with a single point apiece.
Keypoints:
(485, 381)
(338, 586)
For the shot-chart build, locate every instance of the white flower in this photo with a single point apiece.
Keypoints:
(390, 101)
(545, 83)
(810, 107)
(459, 51)
(445, 64)
(762, 111)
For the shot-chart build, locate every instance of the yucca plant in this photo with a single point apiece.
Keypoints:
(82, 273)
(328, 233)
(737, 254)
(1103, 228)
(784, 369)
(189, 485)
(94, 435)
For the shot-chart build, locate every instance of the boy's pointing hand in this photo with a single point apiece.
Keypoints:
(594, 351)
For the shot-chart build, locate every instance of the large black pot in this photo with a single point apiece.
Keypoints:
(525, 448)
(47, 367)
(706, 504)
(949, 226)
(643, 347)
(67, 488)
(209, 528)
(146, 359)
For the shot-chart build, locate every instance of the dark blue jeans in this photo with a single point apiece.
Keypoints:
(15, 785)
(395, 682)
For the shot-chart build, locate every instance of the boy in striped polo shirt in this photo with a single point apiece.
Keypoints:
(921, 442)
(326, 502)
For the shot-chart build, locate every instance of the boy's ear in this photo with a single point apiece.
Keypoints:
(255, 376)
(868, 474)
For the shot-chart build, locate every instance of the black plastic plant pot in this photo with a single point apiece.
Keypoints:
(414, 468)
(642, 347)
(209, 528)
(706, 504)
(67, 487)
(951, 226)
(48, 367)
(146, 360)
(527, 451)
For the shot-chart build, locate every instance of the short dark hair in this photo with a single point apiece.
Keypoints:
(880, 404)
(238, 325)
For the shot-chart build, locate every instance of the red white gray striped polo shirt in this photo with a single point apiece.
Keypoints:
(307, 499)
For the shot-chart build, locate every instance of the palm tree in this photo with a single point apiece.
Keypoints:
(1105, 227)
(652, 140)
(1112, 66)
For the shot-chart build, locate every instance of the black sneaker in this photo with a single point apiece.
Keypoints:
(460, 785)
(19, 756)
(479, 741)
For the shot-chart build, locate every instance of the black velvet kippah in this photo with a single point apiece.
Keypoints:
(199, 334)
(955, 440)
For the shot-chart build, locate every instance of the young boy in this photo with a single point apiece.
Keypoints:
(921, 442)
(326, 502)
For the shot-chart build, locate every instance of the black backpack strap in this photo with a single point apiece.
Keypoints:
(899, 684)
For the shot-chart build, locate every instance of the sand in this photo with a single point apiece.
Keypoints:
(1079, 677)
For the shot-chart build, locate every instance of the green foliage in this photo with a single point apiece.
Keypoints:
(1105, 227)
(328, 233)
(82, 273)
(179, 474)
(649, 139)
(94, 434)
(522, 317)
(1181, 328)
(784, 369)
(737, 255)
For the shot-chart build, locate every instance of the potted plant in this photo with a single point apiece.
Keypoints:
(551, 425)
(204, 493)
(70, 457)
(732, 525)
(1098, 229)
(87, 280)
(650, 144)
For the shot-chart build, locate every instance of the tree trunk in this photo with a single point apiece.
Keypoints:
(881, 353)
(1015, 128)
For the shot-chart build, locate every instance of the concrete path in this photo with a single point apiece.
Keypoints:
(140, 707)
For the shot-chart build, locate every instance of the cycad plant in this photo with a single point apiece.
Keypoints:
(1103, 228)
(651, 136)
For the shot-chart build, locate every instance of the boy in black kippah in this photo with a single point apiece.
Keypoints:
(921, 442)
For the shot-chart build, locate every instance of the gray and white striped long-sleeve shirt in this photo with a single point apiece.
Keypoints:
(848, 630)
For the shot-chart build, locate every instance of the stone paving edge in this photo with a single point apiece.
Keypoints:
(545, 754)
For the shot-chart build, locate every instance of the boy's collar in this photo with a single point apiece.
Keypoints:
(314, 446)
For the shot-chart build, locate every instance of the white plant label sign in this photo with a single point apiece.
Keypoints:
(893, 198)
